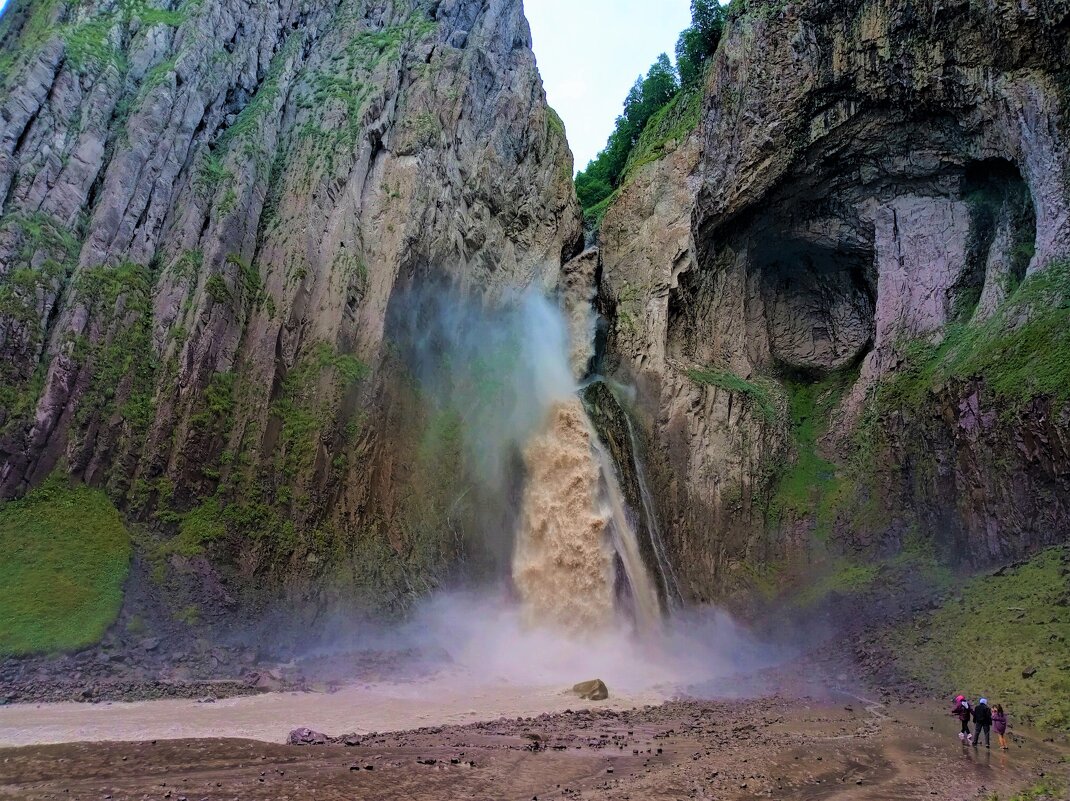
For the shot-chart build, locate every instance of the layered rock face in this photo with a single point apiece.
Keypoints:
(816, 290)
(208, 209)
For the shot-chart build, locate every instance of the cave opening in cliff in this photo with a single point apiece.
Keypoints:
(819, 300)
(1002, 236)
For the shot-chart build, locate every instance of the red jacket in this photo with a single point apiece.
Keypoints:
(962, 711)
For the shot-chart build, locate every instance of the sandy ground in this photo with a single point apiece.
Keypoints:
(811, 749)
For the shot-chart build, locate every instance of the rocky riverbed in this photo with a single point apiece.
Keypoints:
(811, 747)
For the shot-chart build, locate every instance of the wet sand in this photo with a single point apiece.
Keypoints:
(773, 747)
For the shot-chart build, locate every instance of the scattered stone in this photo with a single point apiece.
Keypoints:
(593, 690)
(305, 736)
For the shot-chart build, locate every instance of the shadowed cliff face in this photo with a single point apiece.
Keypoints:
(206, 210)
(828, 291)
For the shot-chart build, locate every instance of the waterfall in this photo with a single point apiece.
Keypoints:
(508, 370)
(563, 563)
(669, 583)
(573, 523)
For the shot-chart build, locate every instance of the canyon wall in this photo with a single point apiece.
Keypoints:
(208, 210)
(843, 295)
(838, 277)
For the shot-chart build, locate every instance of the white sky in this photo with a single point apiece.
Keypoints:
(589, 54)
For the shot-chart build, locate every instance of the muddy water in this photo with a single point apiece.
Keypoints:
(563, 565)
(446, 699)
(573, 522)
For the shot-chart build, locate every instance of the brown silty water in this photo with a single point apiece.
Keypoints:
(563, 564)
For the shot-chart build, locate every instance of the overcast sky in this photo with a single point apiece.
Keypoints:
(590, 52)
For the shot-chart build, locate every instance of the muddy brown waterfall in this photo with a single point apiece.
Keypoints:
(574, 530)
(563, 564)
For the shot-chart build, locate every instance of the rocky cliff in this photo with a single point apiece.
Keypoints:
(844, 294)
(208, 209)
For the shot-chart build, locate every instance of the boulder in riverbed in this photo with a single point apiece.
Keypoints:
(306, 737)
(593, 690)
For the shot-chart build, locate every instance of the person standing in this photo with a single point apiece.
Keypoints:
(982, 722)
(999, 723)
(961, 710)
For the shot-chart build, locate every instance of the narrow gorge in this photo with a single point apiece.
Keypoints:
(323, 371)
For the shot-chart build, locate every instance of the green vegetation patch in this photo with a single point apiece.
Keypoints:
(304, 410)
(811, 484)
(89, 45)
(248, 123)
(37, 29)
(1046, 790)
(1021, 352)
(66, 556)
(666, 130)
(759, 395)
(916, 561)
(593, 216)
(46, 254)
(1024, 350)
(844, 578)
(553, 119)
(127, 358)
(998, 627)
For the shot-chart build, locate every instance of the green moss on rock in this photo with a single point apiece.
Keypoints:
(1021, 352)
(758, 393)
(666, 130)
(811, 486)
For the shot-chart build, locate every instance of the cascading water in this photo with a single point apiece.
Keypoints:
(509, 371)
(574, 526)
(563, 565)
(573, 522)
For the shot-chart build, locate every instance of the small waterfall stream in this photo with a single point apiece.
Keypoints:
(646, 606)
(669, 583)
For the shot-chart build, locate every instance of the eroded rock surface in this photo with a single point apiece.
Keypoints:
(206, 212)
(867, 178)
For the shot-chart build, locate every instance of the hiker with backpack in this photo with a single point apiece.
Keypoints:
(963, 712)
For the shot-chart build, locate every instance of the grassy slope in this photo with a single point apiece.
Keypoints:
(1046, 790)
(1022, 352)
(980, 641)
(66, 555)
(666, 130)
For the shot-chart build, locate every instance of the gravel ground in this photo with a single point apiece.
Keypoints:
(831, 747)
